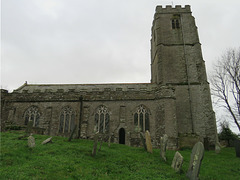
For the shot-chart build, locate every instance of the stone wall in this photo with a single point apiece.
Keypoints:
(121, 105)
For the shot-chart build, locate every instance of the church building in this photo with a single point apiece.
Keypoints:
(176, 102)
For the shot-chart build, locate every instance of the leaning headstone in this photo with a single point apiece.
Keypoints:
(237, 147)
(95, 139)
(48, 140)
(177, 162)
(148, 141)
(163, 144)
(73, 131)
(217, 148)
(143, 141)
(31, 141)
(195, 162)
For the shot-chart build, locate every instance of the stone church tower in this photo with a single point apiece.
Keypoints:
(176, 60)
(177, 102)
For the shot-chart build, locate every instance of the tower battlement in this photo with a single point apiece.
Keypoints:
(176, 9)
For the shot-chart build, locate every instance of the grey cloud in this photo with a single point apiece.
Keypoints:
(79, 41)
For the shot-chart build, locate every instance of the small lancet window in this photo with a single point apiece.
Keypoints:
(177, 23)
(141, 119)
(173, 24)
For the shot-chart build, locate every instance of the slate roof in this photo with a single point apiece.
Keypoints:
(30, 88)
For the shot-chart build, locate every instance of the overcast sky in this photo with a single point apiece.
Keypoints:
(79, 41)
(98, 41)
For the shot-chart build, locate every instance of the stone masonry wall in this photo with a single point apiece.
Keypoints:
(120, 104)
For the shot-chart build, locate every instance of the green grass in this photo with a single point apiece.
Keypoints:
(73, 160)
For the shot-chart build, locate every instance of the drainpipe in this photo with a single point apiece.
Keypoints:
(80, 116)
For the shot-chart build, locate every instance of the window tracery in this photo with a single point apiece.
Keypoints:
(141, 119)
(176, 21)
(102, 119)
(32, 114)
(67, 120)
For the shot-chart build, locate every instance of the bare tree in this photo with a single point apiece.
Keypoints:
(225, 83)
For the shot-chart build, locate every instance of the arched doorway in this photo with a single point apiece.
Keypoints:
(121, 136)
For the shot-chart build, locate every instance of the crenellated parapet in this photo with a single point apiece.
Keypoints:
(177, 9)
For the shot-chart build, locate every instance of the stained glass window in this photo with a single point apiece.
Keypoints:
(141, 119)
(32, 114)
(102, 119)
(67, 120)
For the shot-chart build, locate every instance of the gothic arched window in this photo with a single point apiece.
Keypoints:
(32, 114)
(141, 119)
(67, 120)
(102, 119)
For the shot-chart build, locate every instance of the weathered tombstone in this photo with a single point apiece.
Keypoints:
(237, 147)
(148, 141)
(101, 140)
(177, 162)
(163, 146)
(195, 162)
(31, 141)
(73, 131)
(95, 139)
(48, 140)
(217, 147)
(143, 141)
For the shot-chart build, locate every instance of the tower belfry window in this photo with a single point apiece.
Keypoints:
(176, 22)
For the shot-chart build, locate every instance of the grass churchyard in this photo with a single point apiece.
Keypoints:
(62, 159)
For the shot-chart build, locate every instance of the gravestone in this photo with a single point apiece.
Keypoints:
(48, 140)
(95, 139)
(217, 148)
(177, 162)
(143, 141)
(237, 147)
(148, 141)
(163, 146)
(73, 131)
(31, 141)
(195, 162)
(101, 140)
